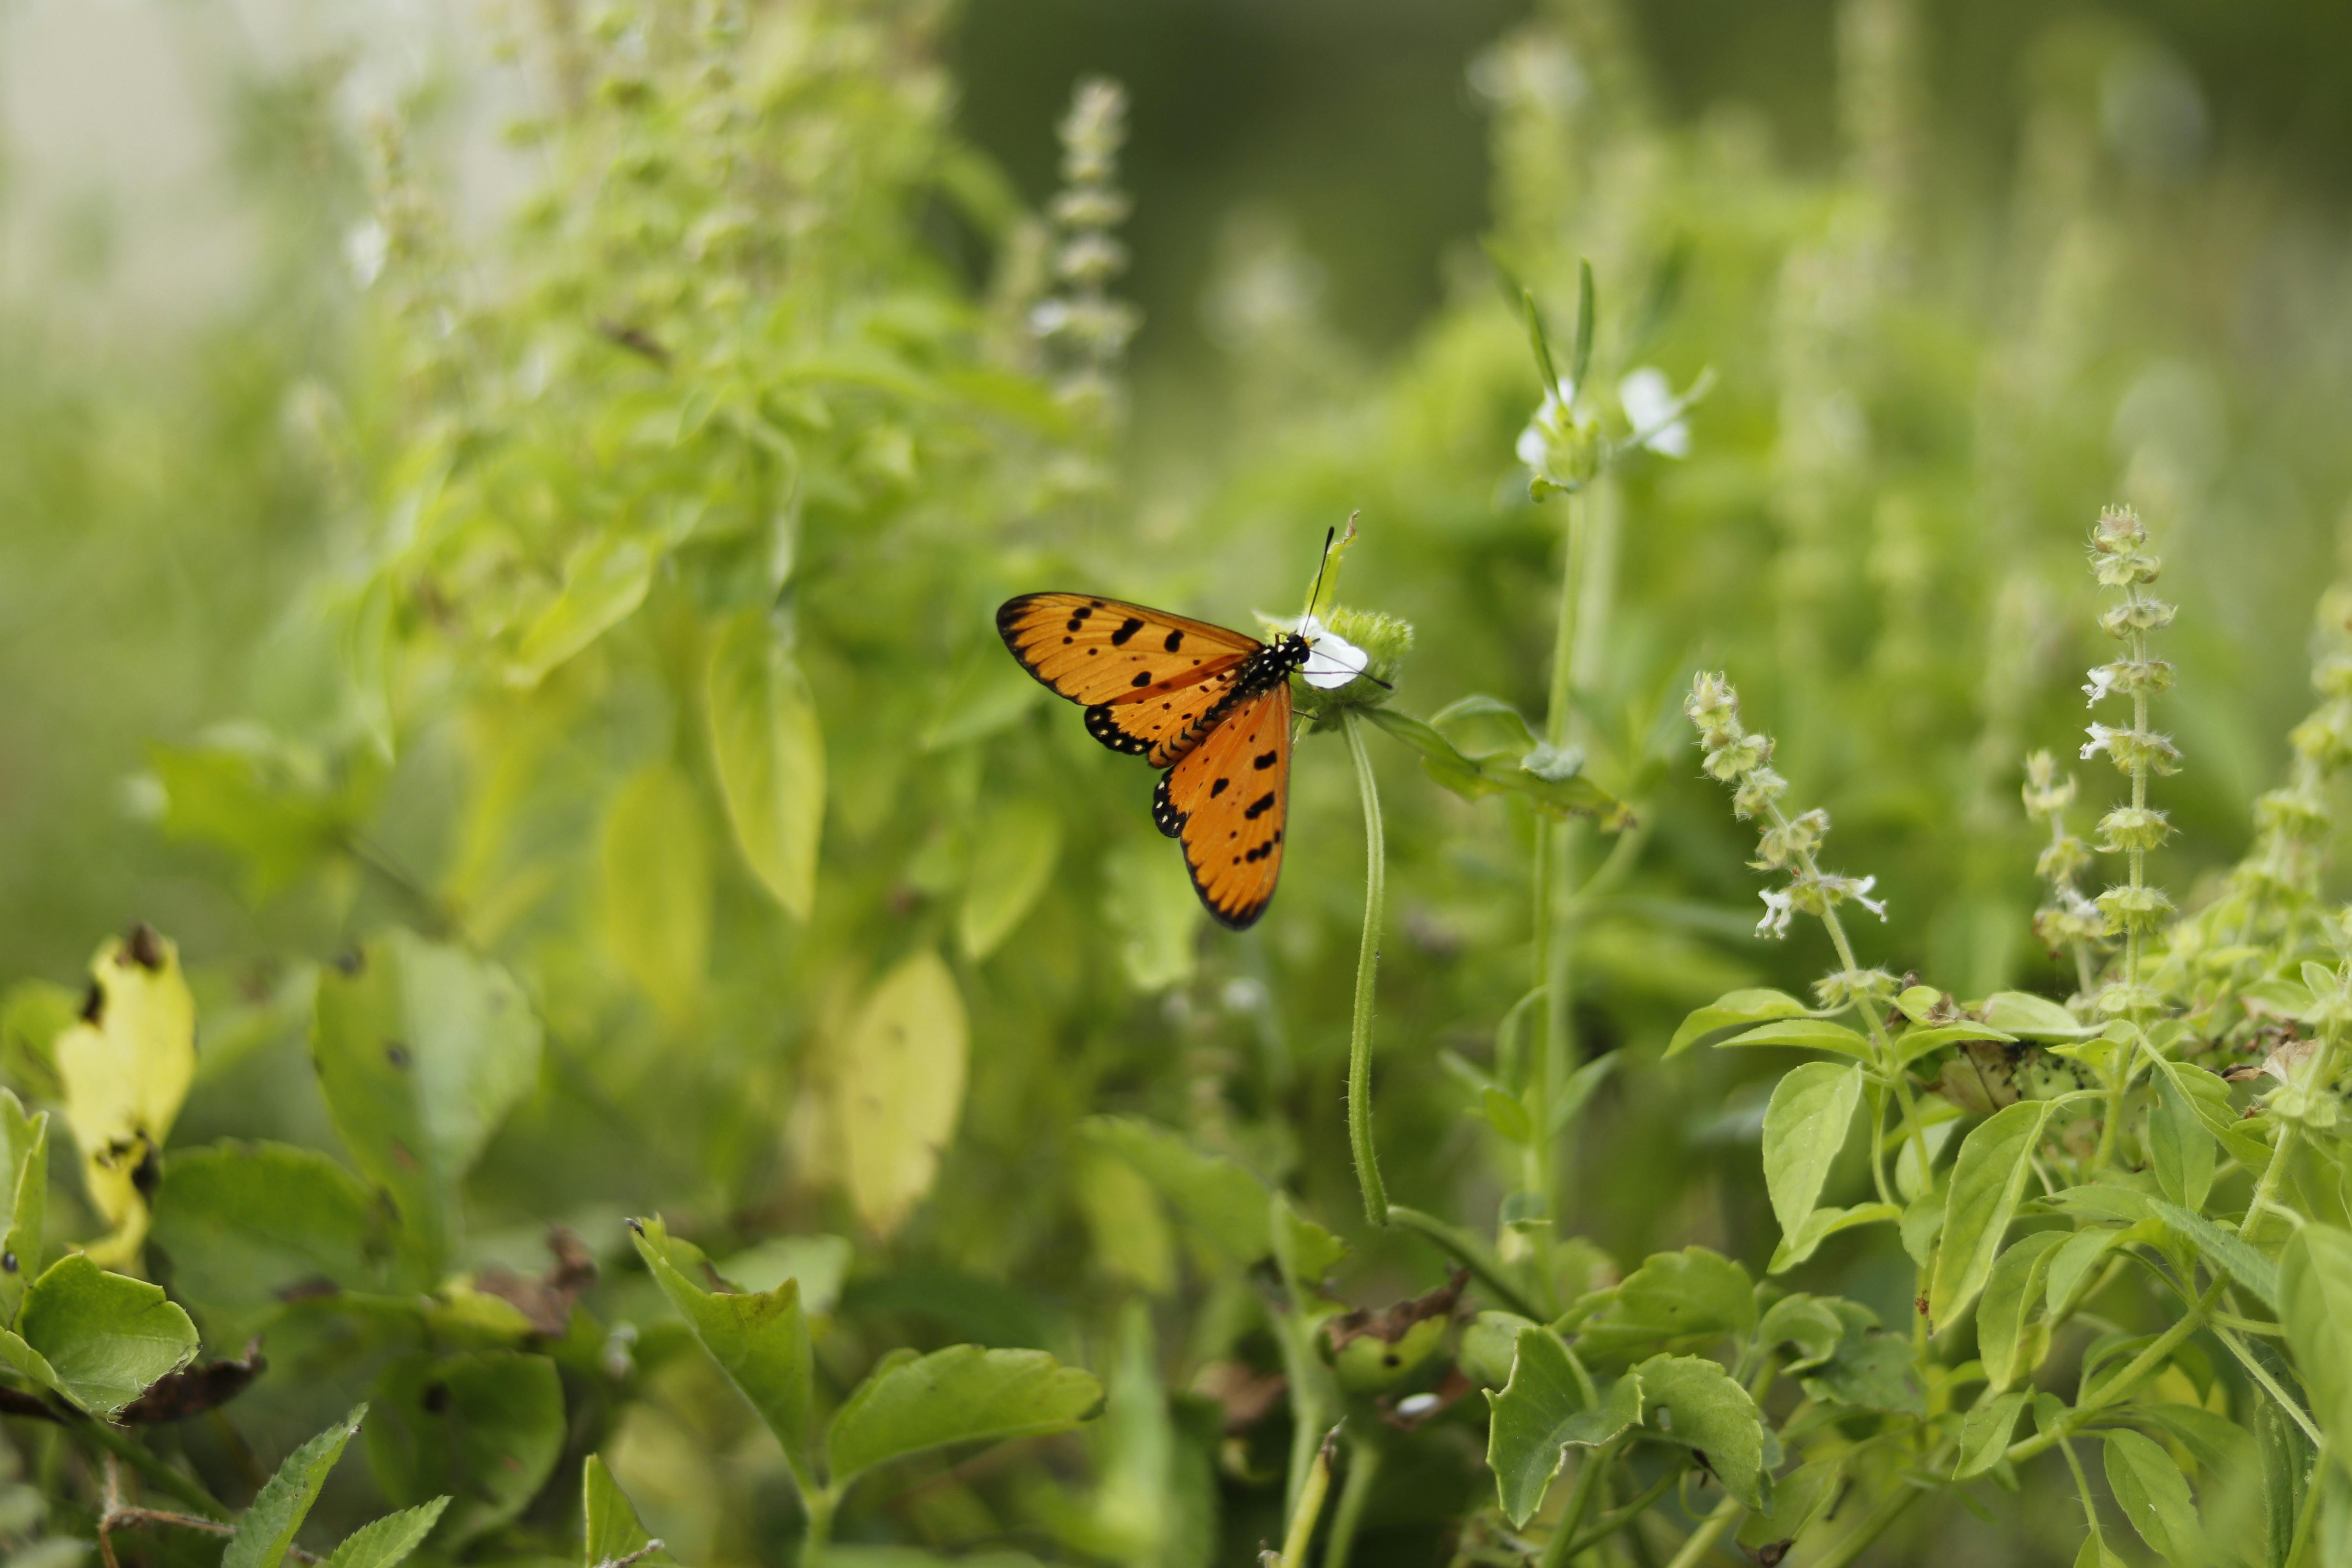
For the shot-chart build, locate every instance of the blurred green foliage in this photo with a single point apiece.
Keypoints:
(547, 687)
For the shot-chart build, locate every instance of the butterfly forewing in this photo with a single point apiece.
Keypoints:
(1153, 682)
(1227, 800)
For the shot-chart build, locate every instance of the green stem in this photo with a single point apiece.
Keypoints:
(1311, 1506)
(150, 1466)
(1617, 1518)
(1561, 1547)
(1873, 1525)
(2140, 1368)
(1363, 1469)
(1553, 851)
(2081, 1489)
(2308, 1513)
(1696, 1548)
(819, 1502)
(1368, 962)
(1474, 1255)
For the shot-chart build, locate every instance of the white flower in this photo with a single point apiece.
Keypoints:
(1536, 440)
(1859, 891)
(1655, 411)
(2103, 736)
(365, 248)
(1779, 905)
(1340, 661)
(2103, 680)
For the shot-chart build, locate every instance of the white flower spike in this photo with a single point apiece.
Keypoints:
(1655, 411)
(1332, 661)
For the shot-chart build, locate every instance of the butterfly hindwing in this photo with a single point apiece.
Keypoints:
(1227, 800)
(1153, 682)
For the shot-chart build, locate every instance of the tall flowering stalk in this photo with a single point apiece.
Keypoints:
(2134, 910)
(1085, 327)
(2070, 923)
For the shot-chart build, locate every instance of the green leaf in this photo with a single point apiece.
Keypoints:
(1694, 1401)
(2225, 1250)
(1804, 1128)
(284, 1501)
(2219, 1443)
(1871, 1369)
(1986, 1182)
(33, 1015)
(614, 1529)
(1691, 1294)
(604, 581)
(1148, 903)
(759, 1342)
(1507, 1116)
(390, 1541)
(24, 1199)
(1580, 357)
(961, 1395)
(1809, 1034)
(769, 753)
(2073, 1262)
(1541, 341)
(2026, 1016)
(2314, 1289)
(1798, 1498)
(1820, 1226)
(1923, 1223)
(2283, 1453)
(2151, 1490)
(422, 1050)
(655, 887)
(1013, 850)
(2179, 1146)
(485, 1427)
(1490, 1347)
(241, 1222)
(1808, 1323)
(1224, 1201)
(105, 1337)
(898, 1089)
(1472, 778)
(1914, 1043)
(1731, 1010)
(1984, 1431)
(1540, 1413)
(2014, 1289)
(1303, 1250)
(820, 1263)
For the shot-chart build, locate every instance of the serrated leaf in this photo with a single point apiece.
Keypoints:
(390, 1541)
(768, 749)
(1543, 1411)
(267, 1529)
(104, 1337)
(961, 1395)
(1987, 1182)
(2151, 1490)
(1870, 1368)
(1693, 1294)
(1303, 1250)
(1805, 1126)
(1730, 1010)
(125, 1067)
(760, 1341)
(422, 1050)
(1695, 1402)
(898, 1089)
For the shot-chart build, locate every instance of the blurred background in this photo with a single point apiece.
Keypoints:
(1963, 274)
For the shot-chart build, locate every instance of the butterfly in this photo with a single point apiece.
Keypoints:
(1211, 706)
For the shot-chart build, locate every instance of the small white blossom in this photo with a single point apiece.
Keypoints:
(1653, 411)
(1780, 905)
(1339, 660)
(1536, 440)
(2103, 680)
(1858, 890)
(2103, 737)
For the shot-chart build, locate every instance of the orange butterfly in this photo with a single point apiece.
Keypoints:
(1212, 705)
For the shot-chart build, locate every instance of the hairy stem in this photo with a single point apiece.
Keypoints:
(1368, 962)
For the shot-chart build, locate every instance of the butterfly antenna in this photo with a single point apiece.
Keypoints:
(1322, 563)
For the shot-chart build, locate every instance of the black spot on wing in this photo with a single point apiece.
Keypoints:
(1126, 628)
(1142, 677)
(1219, 788)
(1266, 760)
(1164, 815)
(1175, 640)
(1260, 806)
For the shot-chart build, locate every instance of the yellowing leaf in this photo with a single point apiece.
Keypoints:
(125, 1067)
(899, 1088)
(657, 888)
(769, 753)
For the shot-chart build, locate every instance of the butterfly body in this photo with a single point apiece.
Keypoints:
(1209, 705)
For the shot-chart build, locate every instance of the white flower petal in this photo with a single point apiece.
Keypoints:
(1332, 661)
(1649, 402)
(1530, 447)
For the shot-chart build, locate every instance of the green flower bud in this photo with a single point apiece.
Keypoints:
(2046, 793)
(2063, 860)
(2140, 909)
(2127, 829)
(1757, 792)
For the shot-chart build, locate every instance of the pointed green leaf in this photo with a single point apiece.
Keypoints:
(768, 752)
(422, 1051)
(759, 1342)
(1806, 1033)
(1221, 1199)
(1820, 1226)
(104, 1336)
(2151, 1490)
(1731, 1010)
(1986, 1182)
(1870, 1368)
(1984, 1431)
(1580, 357)
(603, 583)
(1540, 1413)
(1806, 1322)
(1304, 1251)
(2225, 1250)
(1688, 1295)
(2012, 1292)
(1694, 1401)
(2026, 1016)
(284, 1501)
(1804, 1128)
(2179, 1146)
(961, 1395)
(1798, 1498)
(390, 1541)
(613, 1531)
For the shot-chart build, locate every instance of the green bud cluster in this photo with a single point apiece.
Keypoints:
(1085, 328)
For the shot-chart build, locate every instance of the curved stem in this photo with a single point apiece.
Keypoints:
(1694, 1549)
(1890, 1509)
(1363, 1469)
(1617, 1518)
(1368, 963)
(1472, 1254)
